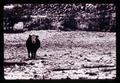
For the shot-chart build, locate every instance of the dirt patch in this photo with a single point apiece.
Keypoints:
(63, 55)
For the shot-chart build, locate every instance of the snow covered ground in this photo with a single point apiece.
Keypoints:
(63, 55)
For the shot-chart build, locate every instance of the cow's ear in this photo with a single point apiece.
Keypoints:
(29, 35)
(37, 36)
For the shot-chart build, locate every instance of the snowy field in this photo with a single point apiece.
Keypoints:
(63, 55)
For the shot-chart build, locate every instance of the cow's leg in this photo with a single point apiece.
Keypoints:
(32, 55)
(35, 53)
(28, 54)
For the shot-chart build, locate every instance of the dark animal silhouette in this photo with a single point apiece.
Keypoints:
(32, 44)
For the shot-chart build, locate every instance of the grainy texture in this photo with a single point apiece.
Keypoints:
(63, 55)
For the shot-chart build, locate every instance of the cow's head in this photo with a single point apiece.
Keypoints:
(33, 38)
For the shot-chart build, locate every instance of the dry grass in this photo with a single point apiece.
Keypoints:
(74, 55)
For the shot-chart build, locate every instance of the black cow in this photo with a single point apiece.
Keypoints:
(32, 44)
